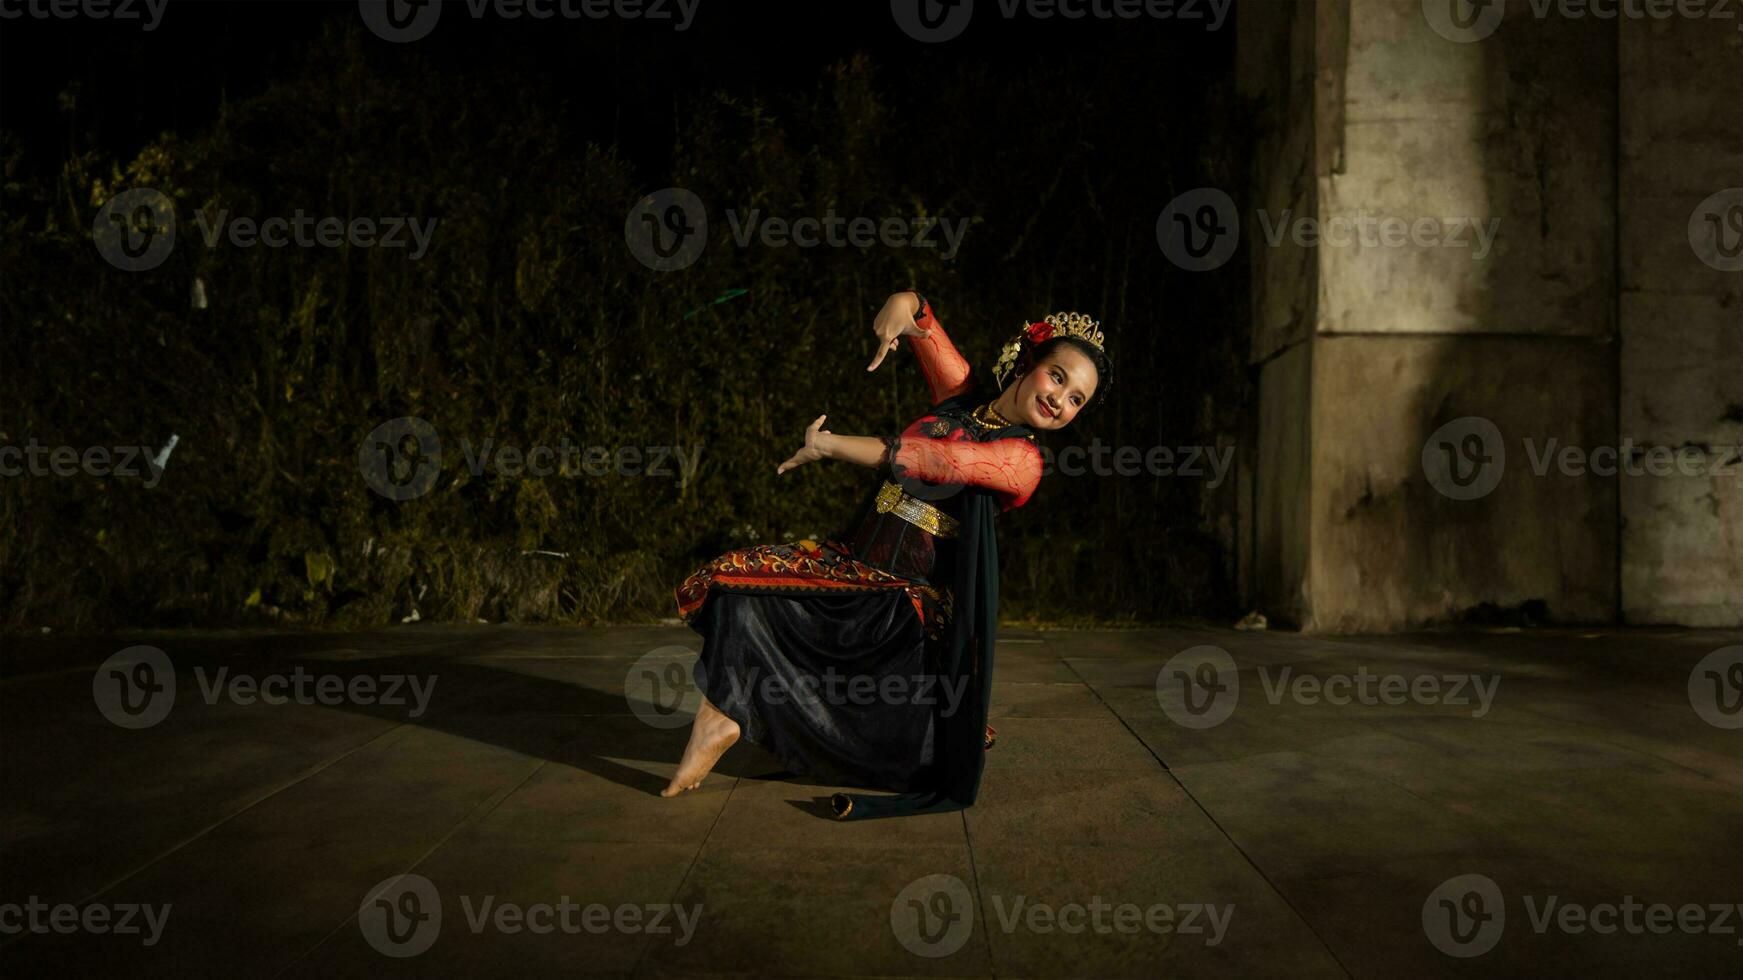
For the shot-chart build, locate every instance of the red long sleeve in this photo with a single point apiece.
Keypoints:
(945, 369)
(1010, 467)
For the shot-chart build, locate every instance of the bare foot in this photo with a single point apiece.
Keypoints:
(711, 735)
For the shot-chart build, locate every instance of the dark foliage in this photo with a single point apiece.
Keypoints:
(529, 323)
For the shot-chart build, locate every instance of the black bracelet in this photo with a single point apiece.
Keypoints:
(920, 313)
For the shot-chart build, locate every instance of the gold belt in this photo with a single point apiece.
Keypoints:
(893, 499)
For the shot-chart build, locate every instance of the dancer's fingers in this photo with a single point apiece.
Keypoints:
(884, 347)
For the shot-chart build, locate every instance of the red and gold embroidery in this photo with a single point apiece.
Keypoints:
(805, 567)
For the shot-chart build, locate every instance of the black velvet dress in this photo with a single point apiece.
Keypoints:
(846, 658)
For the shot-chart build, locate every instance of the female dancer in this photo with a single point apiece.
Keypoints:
(866, 659)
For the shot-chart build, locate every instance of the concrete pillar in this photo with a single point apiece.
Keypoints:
(1407, 386)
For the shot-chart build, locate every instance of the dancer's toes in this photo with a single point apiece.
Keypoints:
(710, 736)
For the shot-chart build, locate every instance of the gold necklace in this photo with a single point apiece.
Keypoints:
(989, 416)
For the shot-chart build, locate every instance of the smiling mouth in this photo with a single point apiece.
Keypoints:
(1045, 411)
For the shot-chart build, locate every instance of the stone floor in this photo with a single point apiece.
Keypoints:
(1231, 820)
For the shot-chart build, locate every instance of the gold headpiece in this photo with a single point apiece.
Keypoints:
(1079, 325)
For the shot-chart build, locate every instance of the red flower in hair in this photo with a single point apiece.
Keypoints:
(1040, 332)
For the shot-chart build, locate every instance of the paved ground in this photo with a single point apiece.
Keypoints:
(1124, 829)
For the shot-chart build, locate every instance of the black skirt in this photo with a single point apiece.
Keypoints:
(841, 687)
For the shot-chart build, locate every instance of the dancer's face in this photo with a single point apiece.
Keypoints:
(1050, 396)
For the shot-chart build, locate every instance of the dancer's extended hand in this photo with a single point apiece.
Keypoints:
(816, 440)
(895, 321)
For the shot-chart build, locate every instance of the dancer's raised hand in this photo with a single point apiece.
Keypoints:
(816, 439)
(895, 321)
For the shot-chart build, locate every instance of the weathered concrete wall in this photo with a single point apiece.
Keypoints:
(1499, 155)
(1390, 550)
(1681, 320)
(1276, 74)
